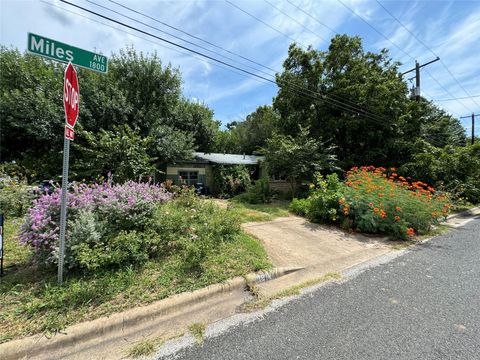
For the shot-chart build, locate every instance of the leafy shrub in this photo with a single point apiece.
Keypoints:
(299, 206)
(452, 169)
(15, 195)
(193, 228)
(383, 202)
(323, 199)
(231, 180)
(258, 193)
(373, 200)
(98, 215)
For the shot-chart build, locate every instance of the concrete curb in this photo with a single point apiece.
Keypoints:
(470, 212)
(105, 329)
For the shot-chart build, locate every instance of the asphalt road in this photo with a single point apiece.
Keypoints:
(424, 304)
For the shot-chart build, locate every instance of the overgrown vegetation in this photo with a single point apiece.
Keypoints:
(374, 200)
(231, 180)
(15, 194)
(185, 244)
(452, 169)
(258, 193)
(198, 331)
(136, 111)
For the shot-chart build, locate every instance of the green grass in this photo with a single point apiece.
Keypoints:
(198, 331)
(31, 302)
(259, 212)
(436, 230)
(14, 253)
(143, 348)
(262, 302)
(148, 346)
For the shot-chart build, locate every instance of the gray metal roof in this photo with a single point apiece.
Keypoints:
(229, 159)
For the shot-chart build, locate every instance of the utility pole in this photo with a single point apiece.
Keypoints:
(417, 76)
(473, 124)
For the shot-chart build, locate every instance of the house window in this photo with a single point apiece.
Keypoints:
(188, 178)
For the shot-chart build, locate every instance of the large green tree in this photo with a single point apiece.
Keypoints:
(354, 97)
(297, 158)
(138, 91)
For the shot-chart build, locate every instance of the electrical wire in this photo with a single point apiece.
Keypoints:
(427, 47)
(156, 42)
(294, 20)
(310, 16)
(323, 97)
(351, 104)
(333, 97)
(191, 35)
(458, 98)
(265, 23)
(329, 99)
(399, 48)
(174, 36)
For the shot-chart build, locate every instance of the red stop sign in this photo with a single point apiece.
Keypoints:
(71, 95)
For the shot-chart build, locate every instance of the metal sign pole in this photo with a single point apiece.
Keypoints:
(63, 209)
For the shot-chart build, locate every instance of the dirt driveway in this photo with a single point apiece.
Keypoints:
(294, 242)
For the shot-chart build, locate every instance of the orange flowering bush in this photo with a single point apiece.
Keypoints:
(374, 200)
(380, 201)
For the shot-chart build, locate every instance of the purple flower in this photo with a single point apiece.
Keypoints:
(113, 203)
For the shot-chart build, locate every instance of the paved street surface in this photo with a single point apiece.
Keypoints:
(422, 305)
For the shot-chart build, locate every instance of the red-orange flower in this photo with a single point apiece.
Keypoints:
(397, 218)
(383, 214)
(410, 232)
(341, 201)
(376, 210)
(398, 208)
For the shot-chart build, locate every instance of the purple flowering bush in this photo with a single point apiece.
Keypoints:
(100, 215)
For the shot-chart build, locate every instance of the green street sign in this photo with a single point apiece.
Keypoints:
(56, 50)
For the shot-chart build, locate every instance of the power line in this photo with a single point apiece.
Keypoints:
(293, 19)
(154, 42)
(427, 47)
(330, 98)
(273, 28)
(174, 36)
(193, 36)
(458, 98)
(314, 18)
(473, 124)
(351, 104)
(336, 103)
(399, 48)
(264, 23)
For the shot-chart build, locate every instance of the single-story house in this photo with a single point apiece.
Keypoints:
(200, 168)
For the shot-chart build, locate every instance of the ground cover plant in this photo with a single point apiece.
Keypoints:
(149, 252)
(246, 212)
(374, 200)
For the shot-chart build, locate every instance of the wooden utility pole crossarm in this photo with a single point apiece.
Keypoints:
(417, 76)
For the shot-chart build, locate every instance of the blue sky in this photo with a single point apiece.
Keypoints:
(450, 29)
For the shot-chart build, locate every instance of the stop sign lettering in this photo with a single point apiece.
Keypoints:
(71, 95)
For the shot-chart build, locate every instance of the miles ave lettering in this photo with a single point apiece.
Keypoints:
(45, 47)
